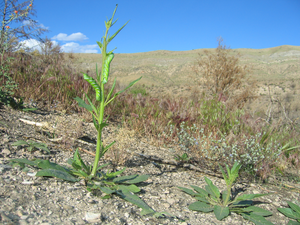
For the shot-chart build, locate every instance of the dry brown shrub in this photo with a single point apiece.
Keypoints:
(222, 76)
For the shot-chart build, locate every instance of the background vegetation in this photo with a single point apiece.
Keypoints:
(203, 103)
(204, 123)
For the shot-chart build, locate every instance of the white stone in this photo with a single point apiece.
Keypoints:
(92, 217)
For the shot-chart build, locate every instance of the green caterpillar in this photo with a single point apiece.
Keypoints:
(106, 67)
(94, 85)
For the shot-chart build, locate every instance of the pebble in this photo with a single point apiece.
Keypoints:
(5, 151)
(92, 217)
(27, 182)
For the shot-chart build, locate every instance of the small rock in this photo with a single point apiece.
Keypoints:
(27, 182)
(4, 168)
(92, 217)
(166, 205)
(277, 204)
(171, 201)
(31, 174)
(19, 213)
(24, 217)
(68, 207)
(23, 222)
(91, 201)
(5, 218)
(5, 151)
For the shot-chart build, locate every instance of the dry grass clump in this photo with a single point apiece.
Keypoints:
(119, 153)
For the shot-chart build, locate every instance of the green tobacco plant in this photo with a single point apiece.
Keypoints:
(95, 178)
(292, 212)
(31, 145)
(98, 85)
(222, 203)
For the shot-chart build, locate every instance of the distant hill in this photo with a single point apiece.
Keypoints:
(165, 68)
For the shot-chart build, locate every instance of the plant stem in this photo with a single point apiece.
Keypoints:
(99, 148)
(228, 195)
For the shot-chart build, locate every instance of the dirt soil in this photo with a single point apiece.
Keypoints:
(27, 199)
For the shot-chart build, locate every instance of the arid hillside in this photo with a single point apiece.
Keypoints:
(276, 71)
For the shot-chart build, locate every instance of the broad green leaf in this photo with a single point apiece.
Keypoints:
(29, 109)
(107, 190)
(200, 190)
(80, 173)
(131, 188)
(211, 188)
(289, 213)
(201, 206)
(202, 198)
(248, 197)
(106, 197)
(75, 165)
(113, 36)
(123, 179)
(79, 161)
(20, 142)
(45, 164)
(25, 161)
(236, 167)
(221, 212)
(114, 174)
(257, 210)
(224, 175)
(134, 180)
(128, 196)
(295, 207)
(56, 173)
(188, 191)
(243, 203)
(82, 103)
(291, 222)
(257, 219)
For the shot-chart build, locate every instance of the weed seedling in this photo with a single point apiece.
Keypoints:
(222, 203)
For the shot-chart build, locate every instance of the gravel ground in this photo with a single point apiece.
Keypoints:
(27, 199)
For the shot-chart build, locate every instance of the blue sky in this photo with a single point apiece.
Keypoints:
(171, 25)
